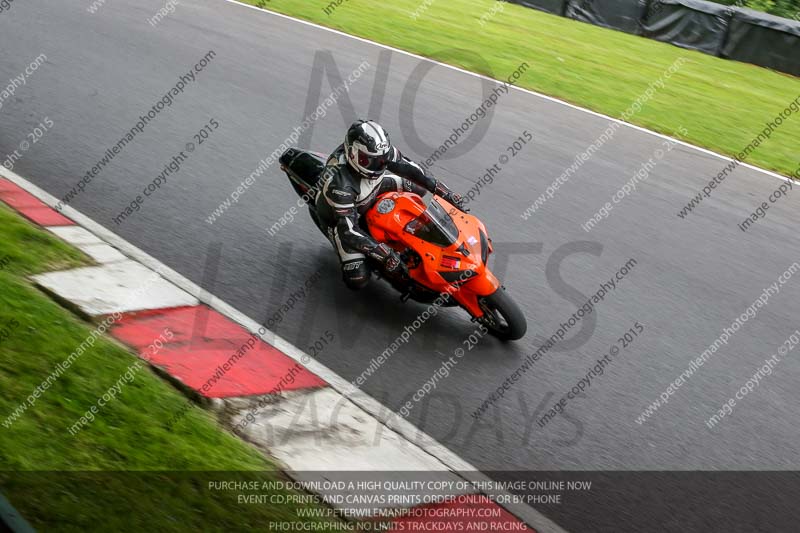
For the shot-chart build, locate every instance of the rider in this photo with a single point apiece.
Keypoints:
(353, 180)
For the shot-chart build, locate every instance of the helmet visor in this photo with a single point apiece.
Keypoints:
(373, 163)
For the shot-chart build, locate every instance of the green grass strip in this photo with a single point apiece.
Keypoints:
(722, 104)
(65, 483)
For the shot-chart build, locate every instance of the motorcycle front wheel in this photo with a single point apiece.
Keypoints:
(502, 317)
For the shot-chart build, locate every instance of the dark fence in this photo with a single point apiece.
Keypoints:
(624, 15)
(765, 40)
(716, 29)
(556, 7)
(694, 24)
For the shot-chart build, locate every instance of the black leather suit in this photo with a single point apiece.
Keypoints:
(346, 196)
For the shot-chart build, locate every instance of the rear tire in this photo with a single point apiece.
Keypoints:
(502, 317)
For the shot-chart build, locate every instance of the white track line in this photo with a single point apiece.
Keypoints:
(372, 407)
(522, 89)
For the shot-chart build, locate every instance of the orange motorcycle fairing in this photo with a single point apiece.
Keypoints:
(447, 250)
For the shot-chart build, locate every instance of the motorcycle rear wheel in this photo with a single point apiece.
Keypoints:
(502, 317)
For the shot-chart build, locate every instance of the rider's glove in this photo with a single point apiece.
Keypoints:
(452, 197)
(388, 257)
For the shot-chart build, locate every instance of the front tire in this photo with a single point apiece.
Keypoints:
(502, 317)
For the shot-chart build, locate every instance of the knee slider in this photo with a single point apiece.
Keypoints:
(356, 274)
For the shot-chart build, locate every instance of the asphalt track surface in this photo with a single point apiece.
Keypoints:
(692, 276)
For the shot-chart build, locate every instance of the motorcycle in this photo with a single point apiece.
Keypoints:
(444, 251)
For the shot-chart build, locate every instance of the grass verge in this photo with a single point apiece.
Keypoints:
(126, 471)
(722, 104)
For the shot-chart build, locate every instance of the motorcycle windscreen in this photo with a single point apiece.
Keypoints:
(434, 226)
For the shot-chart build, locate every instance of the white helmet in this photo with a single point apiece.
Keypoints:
(368, 149)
